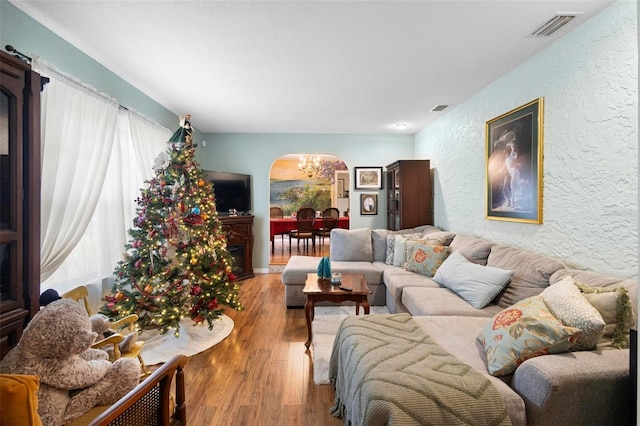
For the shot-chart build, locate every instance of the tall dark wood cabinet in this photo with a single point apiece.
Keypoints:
(19, 197)
(409, 194)
(239, 230)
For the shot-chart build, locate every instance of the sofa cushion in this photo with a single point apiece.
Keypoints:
(426, 258)
(475, 283)
(396, 280)
(441, 301)
(566, 303)
(463, 347)
(531, 276)
(522, 331)
(351, 244)
(421, 229)
(474, 249)
(446, 236)
(299, 266)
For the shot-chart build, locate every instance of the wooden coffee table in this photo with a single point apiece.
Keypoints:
(322, 290)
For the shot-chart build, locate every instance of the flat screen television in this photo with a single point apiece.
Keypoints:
(232, 191)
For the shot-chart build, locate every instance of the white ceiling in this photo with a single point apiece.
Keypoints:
(307, 66)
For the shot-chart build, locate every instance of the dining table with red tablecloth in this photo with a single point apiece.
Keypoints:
(286, 224)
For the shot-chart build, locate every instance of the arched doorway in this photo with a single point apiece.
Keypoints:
(318, 181)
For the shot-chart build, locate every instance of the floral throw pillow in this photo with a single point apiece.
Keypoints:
(400, 249)
(522, 331)
(426, 258)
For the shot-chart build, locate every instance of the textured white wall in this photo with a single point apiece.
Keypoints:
(589, 81)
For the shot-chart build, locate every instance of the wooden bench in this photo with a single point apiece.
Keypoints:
(151, 402)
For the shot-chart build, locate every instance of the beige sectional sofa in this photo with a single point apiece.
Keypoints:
(575, 387)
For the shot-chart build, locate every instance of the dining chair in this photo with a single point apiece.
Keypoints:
(330, 217)
(305, 219)
(277, 213)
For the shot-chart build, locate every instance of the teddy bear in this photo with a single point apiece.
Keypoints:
(74, 378)
(101, 325)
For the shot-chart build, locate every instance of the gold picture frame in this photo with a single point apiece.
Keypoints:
(368, 204)
(514, 158)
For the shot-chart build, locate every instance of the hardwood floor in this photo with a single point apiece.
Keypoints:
(261, 374)
(281, 253)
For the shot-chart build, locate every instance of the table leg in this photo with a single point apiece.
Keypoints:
(365, 305)
(308, 313)
(357, 308)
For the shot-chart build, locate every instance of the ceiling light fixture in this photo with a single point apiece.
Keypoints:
(309, 165)
(401, 126)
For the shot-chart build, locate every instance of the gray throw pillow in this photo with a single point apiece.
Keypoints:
(379, 244)
(476, 284)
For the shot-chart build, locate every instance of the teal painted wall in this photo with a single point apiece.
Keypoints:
(254, 153)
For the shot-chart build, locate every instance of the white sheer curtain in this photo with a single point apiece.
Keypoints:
(78, 126)
(138, 142)
(96, 157)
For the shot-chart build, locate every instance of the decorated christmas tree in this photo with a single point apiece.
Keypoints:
(176, 263)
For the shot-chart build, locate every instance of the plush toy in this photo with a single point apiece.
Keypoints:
(56, 347)
(100, 324)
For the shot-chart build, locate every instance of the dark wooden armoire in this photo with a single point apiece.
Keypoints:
(20, 89)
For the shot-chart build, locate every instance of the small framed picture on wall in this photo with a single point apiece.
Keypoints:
(368, 177)
(340, 189)
(368, 204)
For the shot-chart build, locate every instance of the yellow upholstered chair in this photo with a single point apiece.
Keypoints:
(119, 328)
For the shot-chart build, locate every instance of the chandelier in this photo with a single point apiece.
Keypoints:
(309, 165)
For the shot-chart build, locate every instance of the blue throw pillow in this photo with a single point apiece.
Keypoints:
(475, 283)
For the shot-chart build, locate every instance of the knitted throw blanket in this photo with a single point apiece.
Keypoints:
(387, 371)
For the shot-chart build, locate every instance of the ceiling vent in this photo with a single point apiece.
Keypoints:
(439, 108)
(553, 25)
